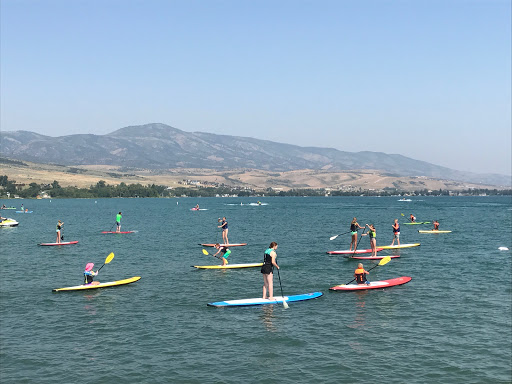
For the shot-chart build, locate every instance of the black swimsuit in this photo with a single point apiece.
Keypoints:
(267, 267)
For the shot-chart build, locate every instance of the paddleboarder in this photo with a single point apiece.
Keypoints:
(119, 216)
(396, 232)
(58, 229)
(412, 218)
(372, 233)
(89, 275)
(354, 227)
(360, 275)
(436, 225)
(224, 226)
(269, 262)
(225, 251)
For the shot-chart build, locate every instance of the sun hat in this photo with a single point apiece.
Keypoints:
(88, 267)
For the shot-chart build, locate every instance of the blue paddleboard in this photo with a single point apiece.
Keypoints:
(260, 301)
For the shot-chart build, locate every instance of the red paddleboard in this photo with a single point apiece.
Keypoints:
(370, 257)
(63, 243)
(225, 245)
(373, 284)
(347, 252)
(117, 232)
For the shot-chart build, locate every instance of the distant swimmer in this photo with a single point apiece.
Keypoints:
(119, 216)
(354, 227)
(396, 232)
(89, 275)
(360, 275)
(225, 252)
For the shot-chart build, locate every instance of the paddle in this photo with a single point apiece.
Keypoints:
(385, 260)
(107, 260)
(285, 304)
(333, 237)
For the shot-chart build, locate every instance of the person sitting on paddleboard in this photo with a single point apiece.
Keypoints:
(360, 275)
(224, 226)
(354, 227)
(225, 252)
(119, 216)
(396, 233)
(412, 218)
(89, 274)
(58, 229)
(436, 225)
(269, 262)
(372, 233)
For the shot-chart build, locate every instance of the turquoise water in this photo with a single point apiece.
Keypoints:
(451, 323)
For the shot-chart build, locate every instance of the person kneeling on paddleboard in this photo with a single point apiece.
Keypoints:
(225, 251)
(89, 275)
(436, 225)
(360, 275)
(412, 218)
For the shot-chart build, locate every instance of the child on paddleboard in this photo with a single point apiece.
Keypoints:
(225, 252)
(354, 227)
(269, 262)
(396, 232)
(360, 274)
(412, 218)
(119, 216)
(58, 229)
(89, 275)
(436, 225)
(372, 233)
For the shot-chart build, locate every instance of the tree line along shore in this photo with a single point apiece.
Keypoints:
(9, 188)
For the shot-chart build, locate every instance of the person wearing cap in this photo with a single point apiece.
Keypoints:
(58, 229)
(89, 275)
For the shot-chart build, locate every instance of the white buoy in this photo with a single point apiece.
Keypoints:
(503, 248)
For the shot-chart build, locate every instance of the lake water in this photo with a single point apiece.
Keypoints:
(451, 324)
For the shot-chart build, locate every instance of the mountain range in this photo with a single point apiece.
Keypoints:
(159, 146)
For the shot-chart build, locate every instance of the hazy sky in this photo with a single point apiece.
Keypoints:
(423, 78)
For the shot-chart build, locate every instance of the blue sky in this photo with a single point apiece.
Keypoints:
(426, 79)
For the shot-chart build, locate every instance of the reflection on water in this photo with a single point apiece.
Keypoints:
(267, 315)
(360, 311)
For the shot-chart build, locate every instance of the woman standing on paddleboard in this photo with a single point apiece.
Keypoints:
(58, 229)
(269, 262)
(372, 233)
(224, 226)
(396, 232)
(354, 227)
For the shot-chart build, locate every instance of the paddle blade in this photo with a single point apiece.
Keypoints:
(205, 252)
(385, 260)
(109, 258)
(285, 304)
(333, 237)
